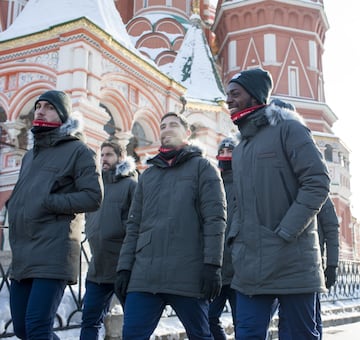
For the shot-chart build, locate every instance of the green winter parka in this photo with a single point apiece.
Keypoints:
(58, 180)
(227, 270)
(328, 228)
(105, 228)
(176, 225)
(280, 184)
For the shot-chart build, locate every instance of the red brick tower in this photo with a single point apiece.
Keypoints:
(287, 39)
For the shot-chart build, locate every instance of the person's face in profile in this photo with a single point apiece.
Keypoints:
(238, 99)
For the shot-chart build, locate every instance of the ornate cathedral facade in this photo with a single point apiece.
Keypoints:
(127, 63)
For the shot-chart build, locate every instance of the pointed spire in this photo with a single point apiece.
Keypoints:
(40, 15)
(194, 66)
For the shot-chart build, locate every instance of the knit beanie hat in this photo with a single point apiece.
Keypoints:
(60, 100)
(224, 162)
(257, 82)
(227, 142)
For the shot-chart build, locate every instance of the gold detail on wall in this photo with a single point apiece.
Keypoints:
(196, 7)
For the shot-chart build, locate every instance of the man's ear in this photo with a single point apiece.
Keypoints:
(188, 133)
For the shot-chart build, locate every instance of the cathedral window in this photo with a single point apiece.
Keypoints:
(232, 55)
(312, 54)
(328, 153)
(270, 48)
(293, 73)
(140, 135)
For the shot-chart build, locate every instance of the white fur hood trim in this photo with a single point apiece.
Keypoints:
(126, 167)
(276, 114)
(72, 126)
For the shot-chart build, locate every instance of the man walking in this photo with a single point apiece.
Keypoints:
(58, 180)
(280, 183)
(217, 306)
(172, 253)
(105, 230)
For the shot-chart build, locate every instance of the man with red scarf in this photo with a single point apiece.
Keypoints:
(280, 183)
(217, 306)
(58, 181)
(173, 248)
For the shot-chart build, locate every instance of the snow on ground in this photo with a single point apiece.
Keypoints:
(172, 325)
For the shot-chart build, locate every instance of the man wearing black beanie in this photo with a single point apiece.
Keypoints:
(280, 183)
(58, 181)
(217, 305)
(61, 102)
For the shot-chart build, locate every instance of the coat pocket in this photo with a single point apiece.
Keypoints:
(143, 240)
(277, 257)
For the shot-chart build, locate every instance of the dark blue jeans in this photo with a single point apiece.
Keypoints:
(297, 320)
(143, 312)
(96, 304)
(33, 305)
(319, 325)
(216, 308)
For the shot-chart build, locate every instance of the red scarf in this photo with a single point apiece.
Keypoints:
(46, 124)
(241, 114)
(224, 163)
(170, 154)
(224, 158)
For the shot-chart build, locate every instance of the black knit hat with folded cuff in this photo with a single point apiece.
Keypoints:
(60, 100)
(227, 142)
(257, 82)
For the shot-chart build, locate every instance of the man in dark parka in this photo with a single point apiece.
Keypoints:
(227, 293)
(328, 231)
(281, 182)
(58, 181)
(105, 231)
(172, 252)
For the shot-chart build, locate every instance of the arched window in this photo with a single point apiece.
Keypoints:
(110, 127)
(328, 153)
(139, 133)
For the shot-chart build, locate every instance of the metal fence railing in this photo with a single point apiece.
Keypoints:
(69, 312)
(347, 287)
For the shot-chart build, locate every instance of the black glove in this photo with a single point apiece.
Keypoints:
(211, 281)
(330, 276)
(121, 284)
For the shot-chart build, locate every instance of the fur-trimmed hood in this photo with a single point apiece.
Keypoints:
(126, 168)
(276, 114)
(72, 127)
(269, 115)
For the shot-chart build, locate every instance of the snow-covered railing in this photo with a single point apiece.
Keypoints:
(347, 287)
(347, 284)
